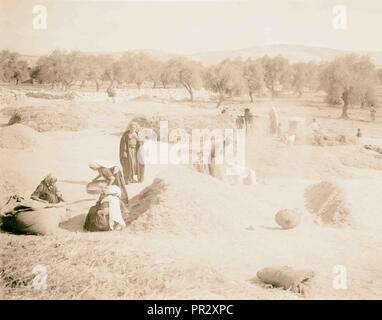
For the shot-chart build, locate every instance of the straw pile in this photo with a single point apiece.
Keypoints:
(326, 200)
(18, 136)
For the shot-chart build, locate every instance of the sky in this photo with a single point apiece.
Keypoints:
(187, 27)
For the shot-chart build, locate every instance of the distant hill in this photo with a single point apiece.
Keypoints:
(292, 52)
(155, 54)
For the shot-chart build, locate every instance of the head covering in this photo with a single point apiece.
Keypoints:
(50, 179)
(113, 190)
(131, 124)
(98, 164)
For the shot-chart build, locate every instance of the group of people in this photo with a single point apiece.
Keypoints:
(245, 121)
(111, 206)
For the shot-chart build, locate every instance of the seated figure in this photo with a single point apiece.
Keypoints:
(47, 191)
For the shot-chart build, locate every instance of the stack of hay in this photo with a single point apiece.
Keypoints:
(18, 136)
(326, 201)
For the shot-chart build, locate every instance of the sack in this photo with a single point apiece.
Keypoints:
(96, 187)
(98, 218)
(29, 220)
(297, 280)
(288, 219)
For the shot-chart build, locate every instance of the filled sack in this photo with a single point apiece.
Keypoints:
(288, 278)
(97, 218)
(288, 219)
(28, 220)
(328, 204)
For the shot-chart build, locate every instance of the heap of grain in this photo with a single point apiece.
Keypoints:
(18, 136)
(182, 201)
(327, 202)
(67, 117)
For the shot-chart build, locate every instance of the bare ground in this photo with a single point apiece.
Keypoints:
(191, 239)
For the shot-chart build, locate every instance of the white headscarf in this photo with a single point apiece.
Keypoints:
(113, 198)
(113, 190)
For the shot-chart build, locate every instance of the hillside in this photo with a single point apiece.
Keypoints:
(292, 52)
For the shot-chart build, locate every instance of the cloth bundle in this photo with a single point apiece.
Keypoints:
(297, 280)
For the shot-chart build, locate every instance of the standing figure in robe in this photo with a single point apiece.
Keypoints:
(133, 165)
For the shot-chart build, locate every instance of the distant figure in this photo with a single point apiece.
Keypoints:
(111, 93)
(47, 191)
(359, 133)
(240, 122)
(372, 112)
(112, 174)
(248, 118)
(273, 121)
(213, 167)
(133, 169)
(317, 134)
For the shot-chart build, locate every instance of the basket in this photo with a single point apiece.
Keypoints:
(96, 187)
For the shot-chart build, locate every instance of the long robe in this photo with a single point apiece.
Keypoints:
(47, 192)
(131, 164)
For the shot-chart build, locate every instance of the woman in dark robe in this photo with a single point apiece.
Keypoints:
(112, 174)
(133, 166)
(47, 191)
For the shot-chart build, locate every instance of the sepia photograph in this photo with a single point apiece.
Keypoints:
(206, 150)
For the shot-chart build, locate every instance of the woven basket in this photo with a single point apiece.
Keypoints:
(96, 187)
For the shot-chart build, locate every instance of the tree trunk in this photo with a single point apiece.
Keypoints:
(97, 85)
(82, 84)
(154, 84)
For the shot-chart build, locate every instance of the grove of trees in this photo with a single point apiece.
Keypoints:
(347, 80)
